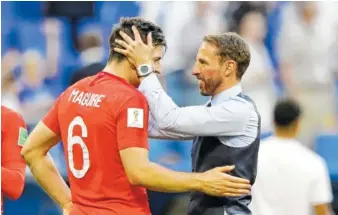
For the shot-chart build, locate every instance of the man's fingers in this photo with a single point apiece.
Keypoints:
(136, 34)
(234, 179)
(238, 180)
(232, 194)
(122, 51)
(149, 40)
(238, 185)
(237, 191)
(225, 168)
(122, 43)
(126, 38)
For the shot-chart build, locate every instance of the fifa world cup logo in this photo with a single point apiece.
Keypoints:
(135, 115)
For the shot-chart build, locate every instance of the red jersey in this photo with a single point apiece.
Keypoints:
(13, 136)
(96, 118)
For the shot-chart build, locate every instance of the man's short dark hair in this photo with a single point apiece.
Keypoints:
(232, 46)
(143, 26)
(286, 112)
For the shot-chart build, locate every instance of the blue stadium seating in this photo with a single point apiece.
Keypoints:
(327, 147)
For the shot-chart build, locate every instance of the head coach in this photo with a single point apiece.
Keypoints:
(225, 131)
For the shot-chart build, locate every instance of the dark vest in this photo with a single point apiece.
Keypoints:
(209, 152)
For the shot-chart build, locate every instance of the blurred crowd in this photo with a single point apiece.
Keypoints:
(293, 53)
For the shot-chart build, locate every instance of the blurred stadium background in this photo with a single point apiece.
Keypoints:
(45, 46)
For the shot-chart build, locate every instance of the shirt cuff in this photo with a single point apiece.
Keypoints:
(149, 84)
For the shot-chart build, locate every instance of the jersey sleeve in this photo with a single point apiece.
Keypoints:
(321, 191)
(13, 138)
(14, 135)
(51, 119)
(132, 123)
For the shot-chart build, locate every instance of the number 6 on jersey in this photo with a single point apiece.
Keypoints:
(72, 140)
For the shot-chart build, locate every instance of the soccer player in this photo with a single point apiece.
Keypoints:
(102, 121)
(291, 179)
(13, 136)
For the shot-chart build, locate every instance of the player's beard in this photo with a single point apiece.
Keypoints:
(208, 86)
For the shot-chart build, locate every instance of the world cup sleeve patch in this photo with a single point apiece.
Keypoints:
(135, 118)
(23, 134)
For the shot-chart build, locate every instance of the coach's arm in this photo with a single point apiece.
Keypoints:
(156, 132)
(227, 118)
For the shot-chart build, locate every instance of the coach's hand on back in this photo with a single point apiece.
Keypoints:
(136, 51)
(216, 182)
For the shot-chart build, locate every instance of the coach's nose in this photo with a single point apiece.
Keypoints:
(196, 71)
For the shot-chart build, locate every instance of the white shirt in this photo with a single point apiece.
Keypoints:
(230, 117)
(290, 179)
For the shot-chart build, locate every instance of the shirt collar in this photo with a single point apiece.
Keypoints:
(226, 94)
(283, 140)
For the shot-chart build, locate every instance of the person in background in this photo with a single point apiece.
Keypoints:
(34, 95)
(39, 72)
(258, 79)
(13, 137)
(91, 56)
(304, 52)
(291, 179)
(9, 88)
(207, 19)
(237, 10)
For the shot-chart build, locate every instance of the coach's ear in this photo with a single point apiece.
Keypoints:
(229, 67)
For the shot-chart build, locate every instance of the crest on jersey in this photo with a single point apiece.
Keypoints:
(23, 134)
(136, 115)
(135, 118)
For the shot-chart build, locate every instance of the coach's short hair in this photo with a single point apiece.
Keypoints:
(143, 26)
(232, 46)
(286, 112)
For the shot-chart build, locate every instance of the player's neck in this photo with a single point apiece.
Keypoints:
(285, 133)
(119, 69)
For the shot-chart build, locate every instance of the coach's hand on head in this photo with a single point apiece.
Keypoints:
(136, 51)
(216, 182)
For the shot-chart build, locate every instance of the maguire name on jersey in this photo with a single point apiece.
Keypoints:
(85, 99)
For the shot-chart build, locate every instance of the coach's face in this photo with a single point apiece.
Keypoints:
(207, 69)
(157, 57)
